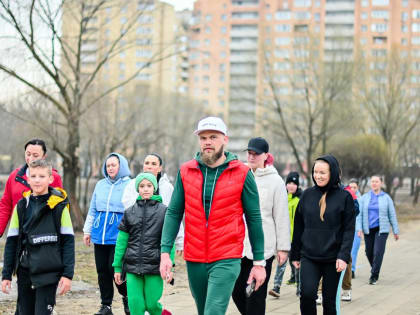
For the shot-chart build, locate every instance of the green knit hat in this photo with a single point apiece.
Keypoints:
(150, 177)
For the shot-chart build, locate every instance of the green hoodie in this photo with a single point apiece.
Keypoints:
(250, 202)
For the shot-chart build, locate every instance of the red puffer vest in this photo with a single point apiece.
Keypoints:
(222, 235)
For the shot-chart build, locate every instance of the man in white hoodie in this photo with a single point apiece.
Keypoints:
(276, 226)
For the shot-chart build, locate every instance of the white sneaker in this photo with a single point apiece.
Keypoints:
(346, 296)
(319, 299)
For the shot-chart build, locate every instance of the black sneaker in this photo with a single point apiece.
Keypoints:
(353, 275)
(275, 292)
(125, 302)
(104, 310)
(373, 280)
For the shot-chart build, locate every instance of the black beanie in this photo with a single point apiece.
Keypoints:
(293, 177)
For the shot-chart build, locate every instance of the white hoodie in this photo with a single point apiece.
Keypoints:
(274, 213)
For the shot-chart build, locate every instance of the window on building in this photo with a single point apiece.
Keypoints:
(123, 20)
(221, 92)
(317, 17)
(283, 15)
(282, 65)
(268, 16)
(282, 53)
(224, 17)
(206, 66)
(404, 28)
(283, 27)
(379, 40)
(379, 27)
(404, 41)
(380, 14)
(364, 15)
(223, 29)
(364, 28)
(363, 41)
(415, 27)
(317, 3)
(380, 2)
(416, 14)
(121, 65)
(415, 40)
(365, 3)
(207, 42)
(206, 78)
(222, 54)
(404, 16)
(222, 67)
(301, 28)
(405, 3)
(207, 30)
(282, 41)
(223, 42)
(379, 52)
(302, 3)
(208, 17)
(302, 15)
(244, 15)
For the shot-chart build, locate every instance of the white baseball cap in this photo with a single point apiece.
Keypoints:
(211, 123)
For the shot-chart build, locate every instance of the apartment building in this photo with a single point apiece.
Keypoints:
(154, 41)
(230, 41)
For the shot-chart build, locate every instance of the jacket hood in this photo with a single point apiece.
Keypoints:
(122, 172)
(268, 170)
(335, 181)
(229, 157)
(163, 179)
(57, 195)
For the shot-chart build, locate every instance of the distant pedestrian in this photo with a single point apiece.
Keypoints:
(276, 227)
(378, 215)
(322, 236)
(294, 193)
(354, 186)
(101, 227)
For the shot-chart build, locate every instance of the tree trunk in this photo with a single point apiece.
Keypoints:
(71, 171)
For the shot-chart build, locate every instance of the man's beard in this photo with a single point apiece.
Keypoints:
(211, 158)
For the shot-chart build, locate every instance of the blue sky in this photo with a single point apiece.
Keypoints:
(181, 4)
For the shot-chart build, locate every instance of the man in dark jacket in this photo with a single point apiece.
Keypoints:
(16, 184)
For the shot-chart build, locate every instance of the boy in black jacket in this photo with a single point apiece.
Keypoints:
(40, 244)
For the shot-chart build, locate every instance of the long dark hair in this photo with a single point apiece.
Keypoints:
(159, 175)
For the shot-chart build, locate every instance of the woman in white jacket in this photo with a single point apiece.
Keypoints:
(153, 163)
(276, 226)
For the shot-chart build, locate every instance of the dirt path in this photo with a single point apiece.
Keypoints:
(397, 292)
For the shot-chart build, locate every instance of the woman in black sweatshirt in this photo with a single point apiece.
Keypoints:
(323, 235)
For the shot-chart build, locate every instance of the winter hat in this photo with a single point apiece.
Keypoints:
(293, 177)
(150, 177)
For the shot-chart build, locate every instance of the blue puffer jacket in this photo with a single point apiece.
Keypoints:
(387, 215)
(106, 209)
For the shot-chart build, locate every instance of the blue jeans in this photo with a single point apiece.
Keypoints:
(278, 278)
(355, 250)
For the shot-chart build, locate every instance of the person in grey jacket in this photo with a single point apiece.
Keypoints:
(377, 216)
(276, 226)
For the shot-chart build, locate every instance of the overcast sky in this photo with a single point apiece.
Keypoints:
(181, 4)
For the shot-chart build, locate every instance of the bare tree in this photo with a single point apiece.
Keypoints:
(306, 90)
(65, 83)
(391, 102)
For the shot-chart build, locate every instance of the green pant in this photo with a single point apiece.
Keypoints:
(143, 294)
(212, 284)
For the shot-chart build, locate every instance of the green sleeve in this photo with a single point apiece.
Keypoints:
(120, 247)
(173, 216)
(251, 204)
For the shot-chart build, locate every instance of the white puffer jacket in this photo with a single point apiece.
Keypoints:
(274, 213)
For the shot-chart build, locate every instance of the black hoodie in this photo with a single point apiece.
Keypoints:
(331, 239)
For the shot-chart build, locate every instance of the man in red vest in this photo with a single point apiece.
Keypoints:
(16, 184)
(216, 190)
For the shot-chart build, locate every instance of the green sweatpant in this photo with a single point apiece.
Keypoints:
(143, 294)
(212, 284)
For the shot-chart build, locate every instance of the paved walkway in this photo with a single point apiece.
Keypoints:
(397, 291)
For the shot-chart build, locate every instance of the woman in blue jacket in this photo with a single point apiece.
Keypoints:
(101, 227)
(377, 215)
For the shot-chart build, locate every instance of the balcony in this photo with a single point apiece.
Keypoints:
(339, 32)
(339, 19)
(339, 5)
(244, 45)
(251, 33)
(243, 58)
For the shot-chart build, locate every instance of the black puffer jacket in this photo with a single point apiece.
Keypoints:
(143, 222)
